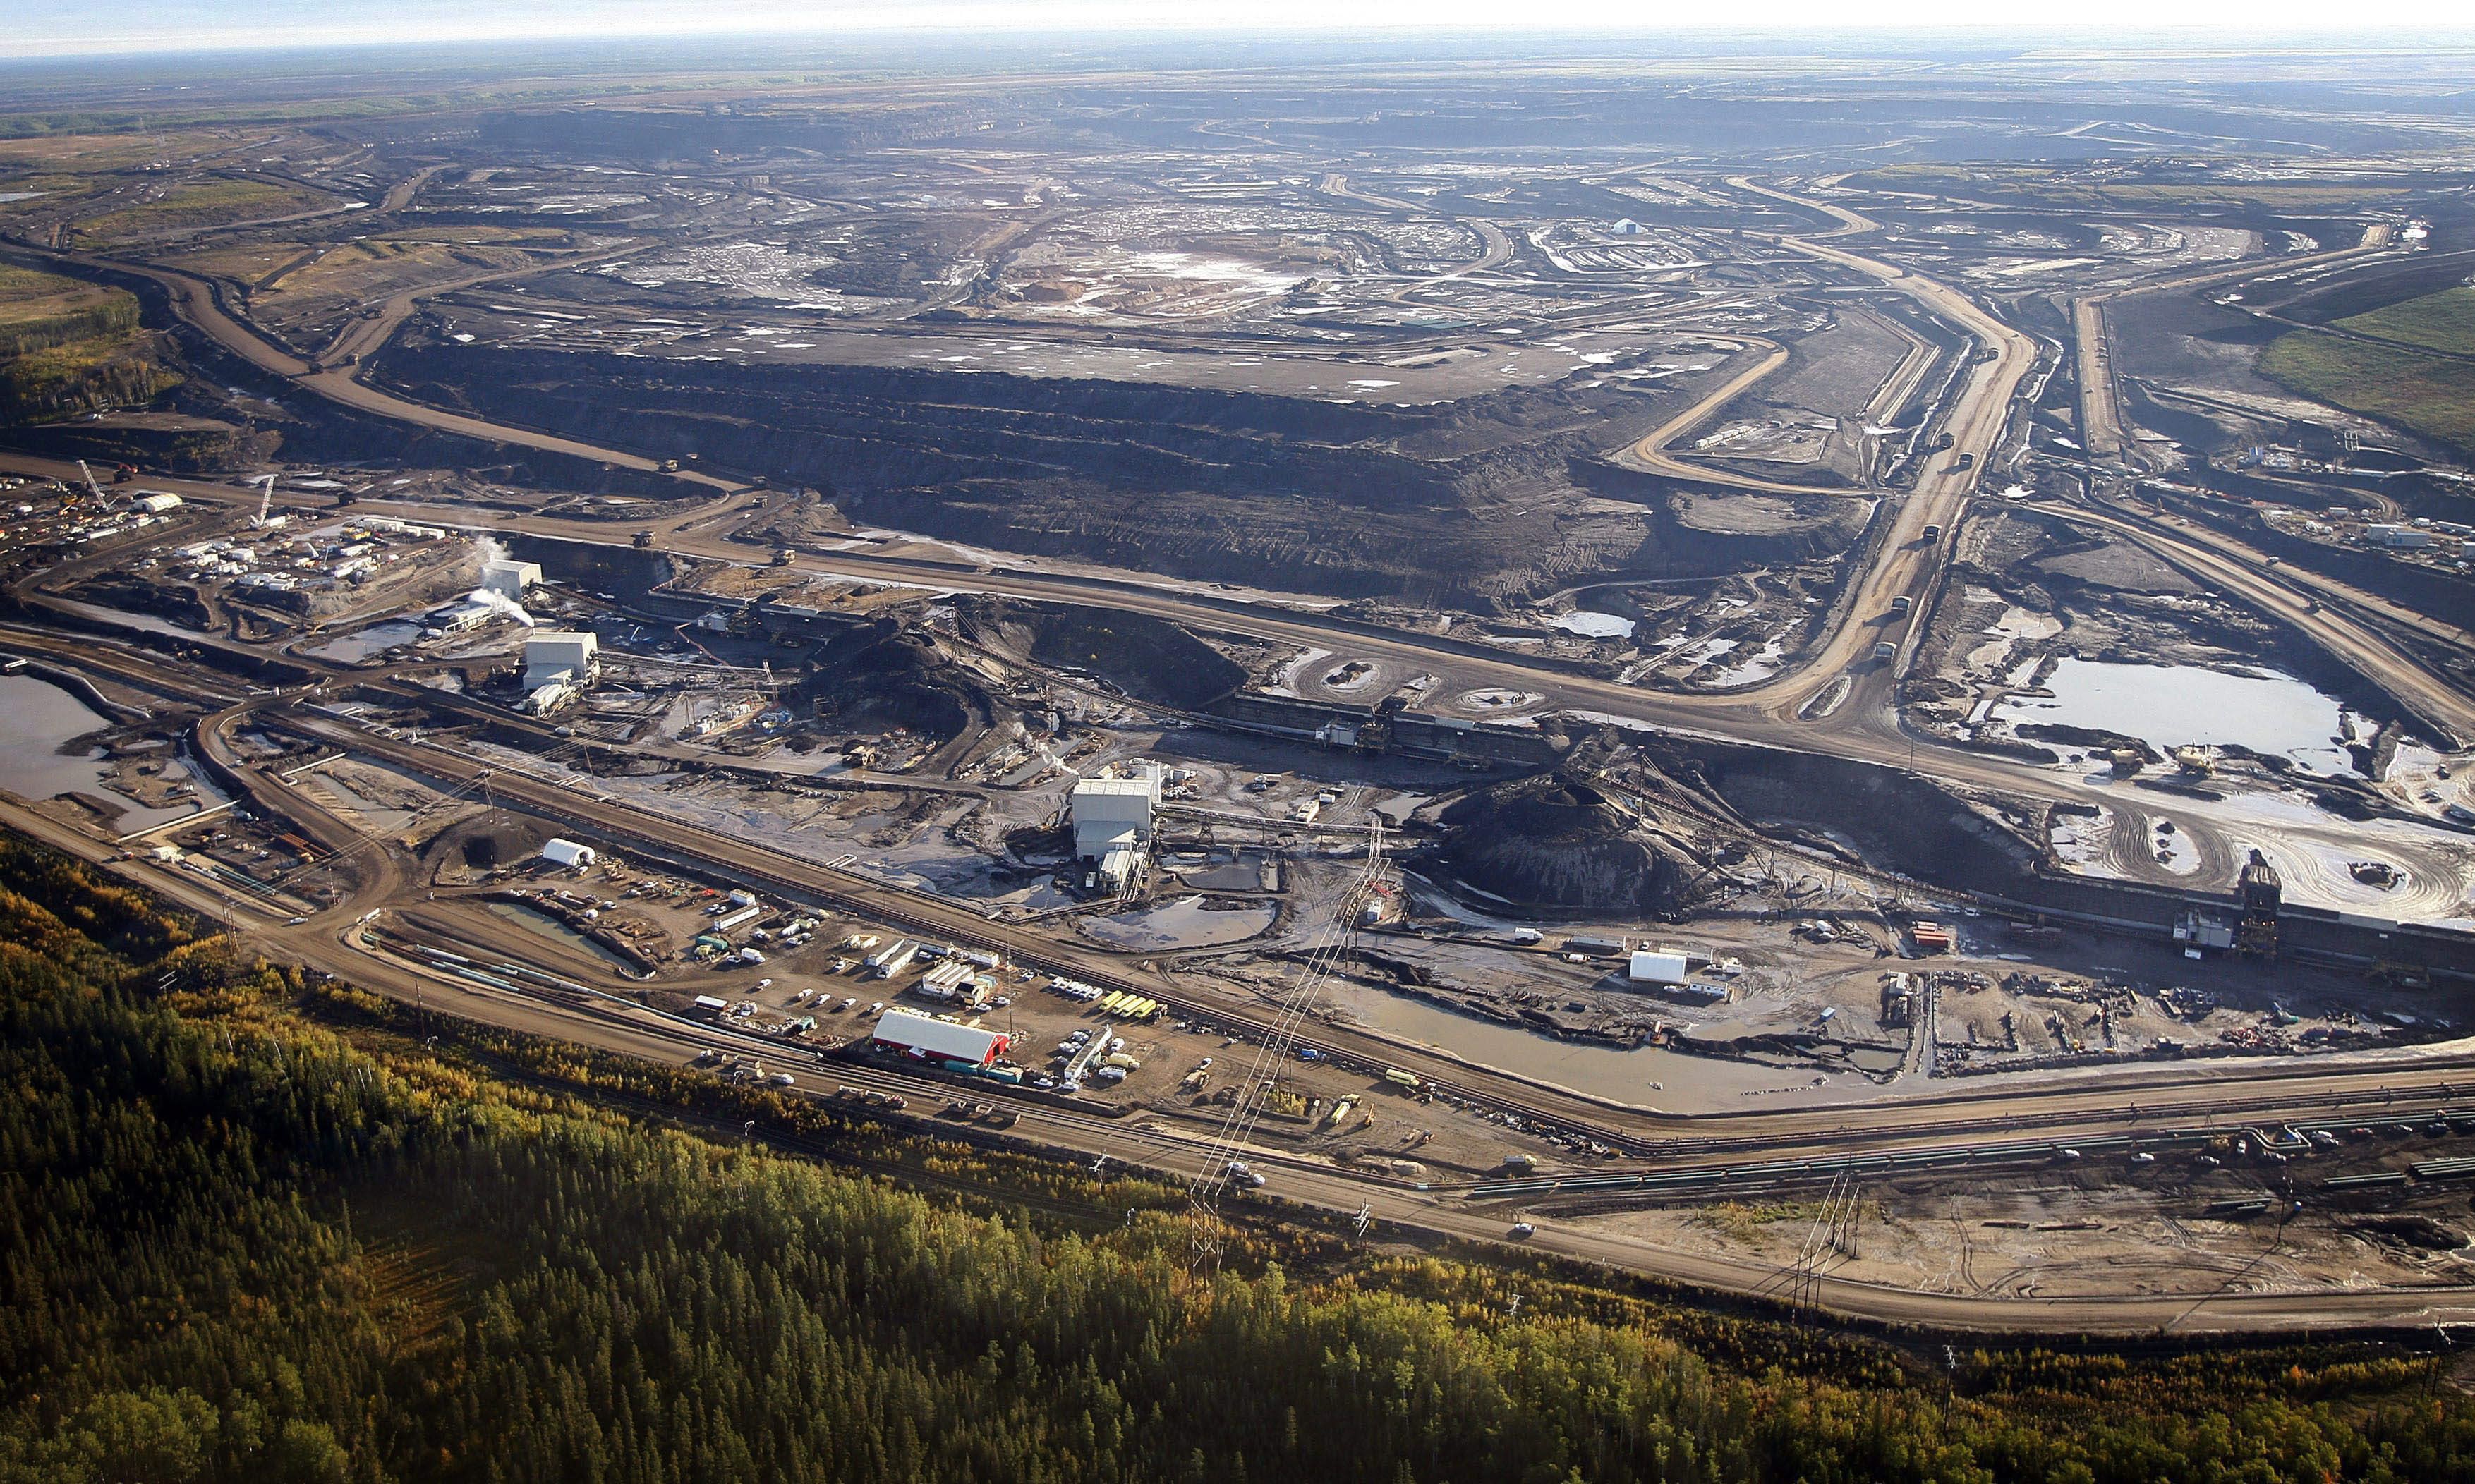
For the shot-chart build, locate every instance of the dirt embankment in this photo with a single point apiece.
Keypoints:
(880, 675)
(1886, 818)
(1554, 845)
(1147, 658)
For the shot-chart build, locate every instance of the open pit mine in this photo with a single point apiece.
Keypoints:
(1503, 644)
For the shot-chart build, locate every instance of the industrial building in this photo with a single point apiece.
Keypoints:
(510, 579)
(931, 1039)
(1113, 824)
(560, 656)
(1655, 968)
(2398, 538)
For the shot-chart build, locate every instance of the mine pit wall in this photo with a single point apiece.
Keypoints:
(320, 431)
(1214, 485)
(860, 431)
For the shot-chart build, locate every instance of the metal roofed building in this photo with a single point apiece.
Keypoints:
(1113, 821)
(568, 853)
(510, 579)
(938, 1041)
(1648, 967)
(554, 655)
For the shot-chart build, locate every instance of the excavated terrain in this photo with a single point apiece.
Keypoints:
(1476, 504)
(1147, 658)
(1557, 844)
(882, 674)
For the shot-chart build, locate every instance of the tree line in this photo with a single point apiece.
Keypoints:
(246, 1237)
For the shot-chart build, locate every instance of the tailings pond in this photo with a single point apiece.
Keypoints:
(2169, 706)
(36, 718)
(538, 921)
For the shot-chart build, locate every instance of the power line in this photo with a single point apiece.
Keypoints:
(1332, 939)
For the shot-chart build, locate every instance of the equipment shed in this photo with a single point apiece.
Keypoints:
(1655, 968)
(942, 1040)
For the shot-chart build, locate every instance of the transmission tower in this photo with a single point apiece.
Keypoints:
(1211, 1179)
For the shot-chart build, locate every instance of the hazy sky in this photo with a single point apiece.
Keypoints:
(58, 27)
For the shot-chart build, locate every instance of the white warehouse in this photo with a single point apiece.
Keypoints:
(510, 579)
(556, 655)
(1113, 821)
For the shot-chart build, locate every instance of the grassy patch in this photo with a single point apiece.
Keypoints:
(39, 310)
(69, 347)
(1738, 1219)
(2425, 394)
(2444, 320)
(117, 151)
(206, 203)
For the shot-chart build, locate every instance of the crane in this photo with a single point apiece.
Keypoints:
(257, 521)
(92, 488)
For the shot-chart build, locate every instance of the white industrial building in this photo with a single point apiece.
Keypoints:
(1649, 967)
(1112, 822)
(933, 1040)
(556, 656)
(510, 579)
(569, 854)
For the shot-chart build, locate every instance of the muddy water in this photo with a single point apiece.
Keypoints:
(549, 926)
(35, 717)
(1184, 923)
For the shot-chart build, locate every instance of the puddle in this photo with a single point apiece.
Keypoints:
(1593, 625)
(2169, 706)
(1247, 875)
(1184, 923)
(366, 644)
(535, 920)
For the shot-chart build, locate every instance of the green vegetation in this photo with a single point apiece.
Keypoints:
(395, 100)
(68, 346)
(39, 310)
(2442, 322)
(2423, 393)
(253, 1228)
(206, 203)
